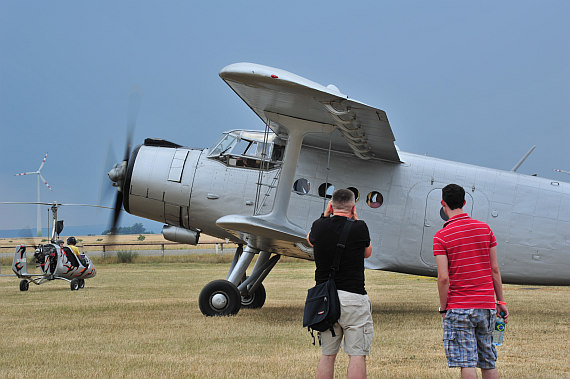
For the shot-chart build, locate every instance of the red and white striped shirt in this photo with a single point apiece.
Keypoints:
(466, 242)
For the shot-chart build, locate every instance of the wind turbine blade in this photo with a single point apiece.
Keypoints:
(26, 173)
(45, 182)
(43, 162)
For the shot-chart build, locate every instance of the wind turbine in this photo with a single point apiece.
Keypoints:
(39, 223)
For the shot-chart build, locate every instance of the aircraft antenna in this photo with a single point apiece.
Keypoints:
(562, 171)
(523, 159)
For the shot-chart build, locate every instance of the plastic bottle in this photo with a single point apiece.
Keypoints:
(499, 331)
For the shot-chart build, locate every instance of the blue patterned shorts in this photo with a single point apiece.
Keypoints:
(467, 338)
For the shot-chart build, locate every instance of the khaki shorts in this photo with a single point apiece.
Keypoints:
(355, 325)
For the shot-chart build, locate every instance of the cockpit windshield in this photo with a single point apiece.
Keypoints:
(248, 149)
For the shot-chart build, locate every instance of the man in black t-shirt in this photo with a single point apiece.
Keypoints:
(355, 323)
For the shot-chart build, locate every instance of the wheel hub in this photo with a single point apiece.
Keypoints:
(219, 301)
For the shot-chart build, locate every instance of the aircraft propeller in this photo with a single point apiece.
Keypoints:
(118, 173)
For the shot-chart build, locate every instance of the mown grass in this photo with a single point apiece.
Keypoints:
(142, 320)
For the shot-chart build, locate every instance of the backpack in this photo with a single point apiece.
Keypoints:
(322, 306)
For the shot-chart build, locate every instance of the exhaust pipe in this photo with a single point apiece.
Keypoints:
(180, 235)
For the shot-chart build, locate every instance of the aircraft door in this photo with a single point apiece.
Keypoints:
(434, 220)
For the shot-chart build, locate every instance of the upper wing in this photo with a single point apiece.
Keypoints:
(270, 93)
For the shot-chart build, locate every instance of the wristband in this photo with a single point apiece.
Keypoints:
(501, 302)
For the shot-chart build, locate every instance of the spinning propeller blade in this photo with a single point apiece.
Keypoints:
(118, 173)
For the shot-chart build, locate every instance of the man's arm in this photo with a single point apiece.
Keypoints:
(497, 282)
(368, 251)
(308, 239)
(442, 280)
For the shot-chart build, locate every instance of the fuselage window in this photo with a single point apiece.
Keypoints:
(302, 186)
(356, 193)
(374, 199)
(326, 190)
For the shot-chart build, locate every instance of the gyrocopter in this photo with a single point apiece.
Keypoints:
(56, 262)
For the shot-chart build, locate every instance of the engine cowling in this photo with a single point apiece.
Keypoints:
(158, 182)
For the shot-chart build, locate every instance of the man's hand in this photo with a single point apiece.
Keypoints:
(503, 308)
(329, 209)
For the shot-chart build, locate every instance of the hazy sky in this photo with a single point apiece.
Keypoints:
(477, 82)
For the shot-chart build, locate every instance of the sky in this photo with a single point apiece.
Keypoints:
(476, 82)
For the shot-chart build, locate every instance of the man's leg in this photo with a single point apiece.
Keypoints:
(356, 367)
(468, 373)
(325, 369)
(492, 373)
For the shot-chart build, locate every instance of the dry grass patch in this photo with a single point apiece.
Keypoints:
(143, 320)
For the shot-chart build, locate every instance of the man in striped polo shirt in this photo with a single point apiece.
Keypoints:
(468, 279)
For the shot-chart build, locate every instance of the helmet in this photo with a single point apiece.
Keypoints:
(71, 241)
(59, 242)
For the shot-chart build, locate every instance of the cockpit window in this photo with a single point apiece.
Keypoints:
(222, 146)
(249, 150)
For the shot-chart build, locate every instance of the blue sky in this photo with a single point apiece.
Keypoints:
(476, 82)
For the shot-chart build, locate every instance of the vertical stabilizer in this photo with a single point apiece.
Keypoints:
(20, 263)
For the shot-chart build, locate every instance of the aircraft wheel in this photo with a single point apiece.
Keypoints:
(256, 300)
(81, 283)
(74, 284)
(219, 298)
(24, 285)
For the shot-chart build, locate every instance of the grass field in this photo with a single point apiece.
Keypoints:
(130, 241)
(143, 320)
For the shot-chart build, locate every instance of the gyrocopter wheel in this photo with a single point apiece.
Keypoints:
(24, 285)
(255, 300)
(74, 284)
(219, 298)
(81, 283)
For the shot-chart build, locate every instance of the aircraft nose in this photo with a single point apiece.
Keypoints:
(117, 173)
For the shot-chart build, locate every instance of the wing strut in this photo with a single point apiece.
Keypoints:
(263, 231)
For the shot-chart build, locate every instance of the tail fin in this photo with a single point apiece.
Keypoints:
(20, 263)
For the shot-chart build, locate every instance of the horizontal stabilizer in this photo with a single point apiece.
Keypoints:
(268, 235)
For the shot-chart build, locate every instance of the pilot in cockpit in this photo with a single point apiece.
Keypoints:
(71, 242)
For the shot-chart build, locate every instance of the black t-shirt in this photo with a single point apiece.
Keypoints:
(324, 236)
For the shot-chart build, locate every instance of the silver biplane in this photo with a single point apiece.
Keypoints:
(263, 189)
(54, 261)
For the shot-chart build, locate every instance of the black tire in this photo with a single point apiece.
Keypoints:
(219, 298)
(24, 285)
(256, 300)
(74, 284)
(81, 283)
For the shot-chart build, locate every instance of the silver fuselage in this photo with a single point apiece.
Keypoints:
(530, 216)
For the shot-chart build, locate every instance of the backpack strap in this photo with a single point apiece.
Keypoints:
(340, 246)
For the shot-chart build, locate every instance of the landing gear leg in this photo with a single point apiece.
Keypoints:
(251, 289)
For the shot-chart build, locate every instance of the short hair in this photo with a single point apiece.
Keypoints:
(453, 195)
(343, 199)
